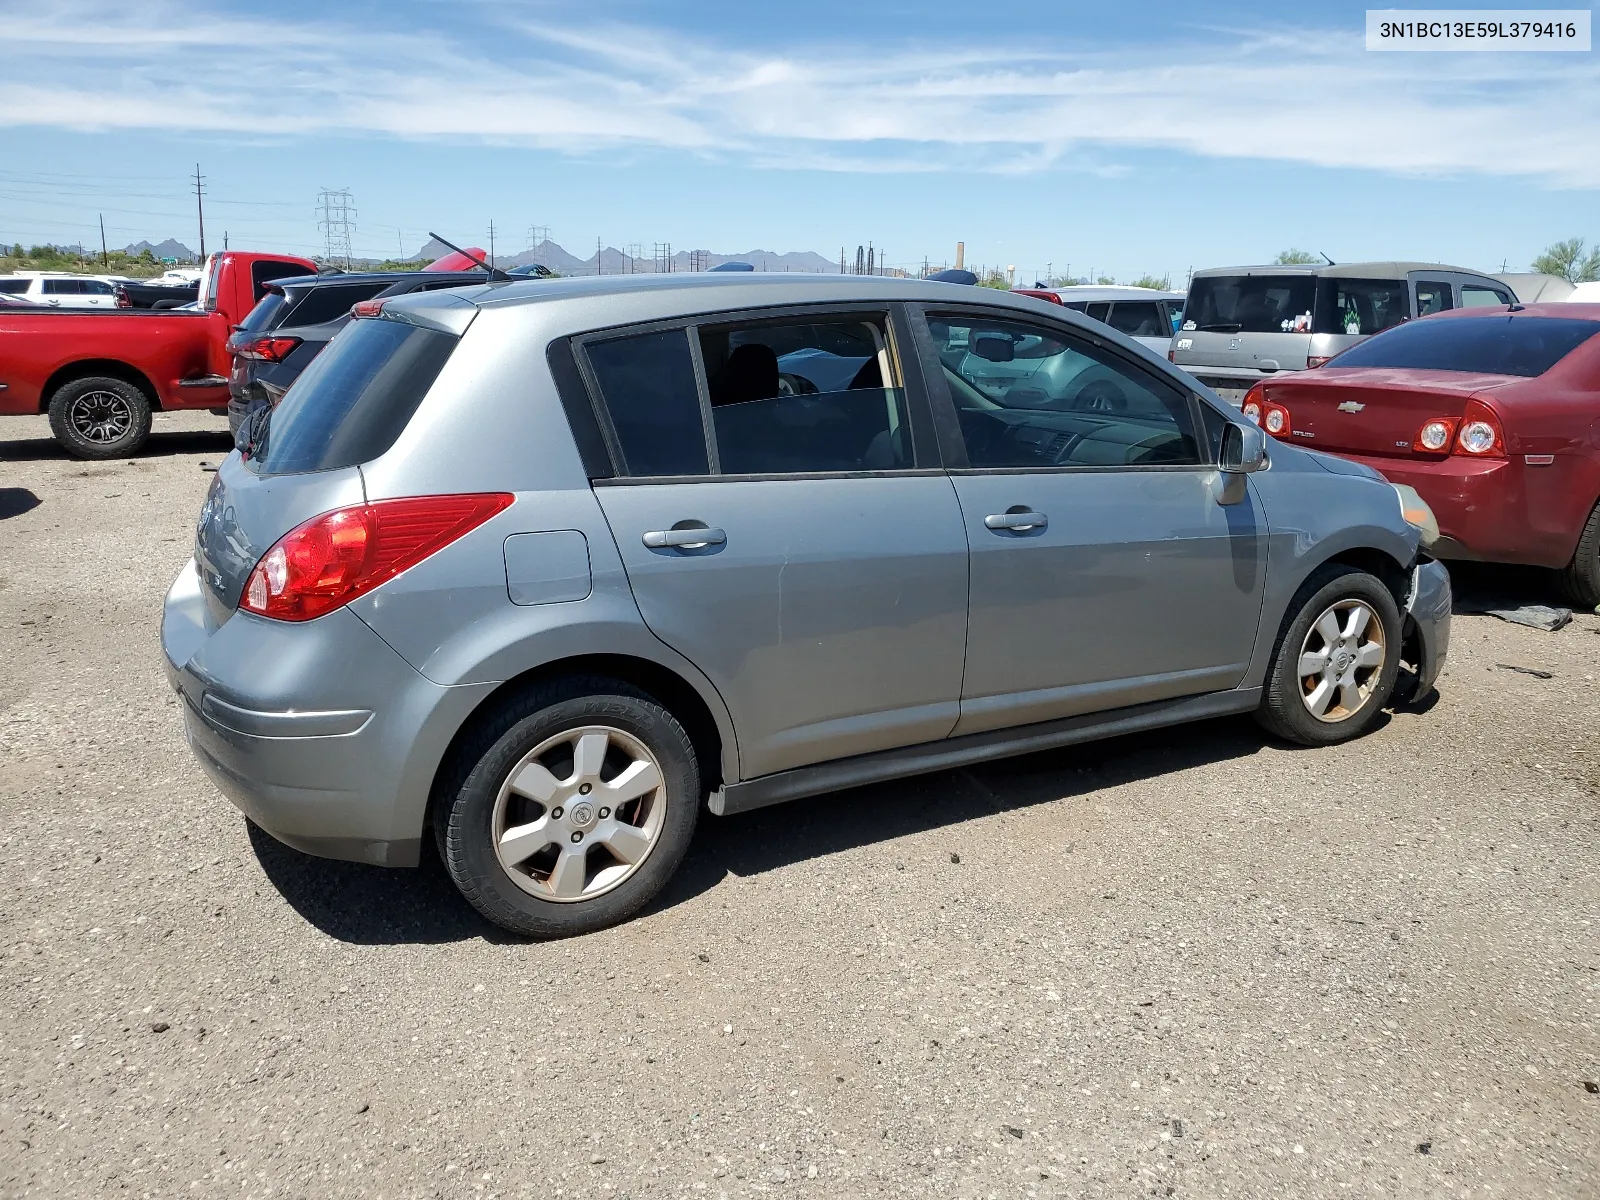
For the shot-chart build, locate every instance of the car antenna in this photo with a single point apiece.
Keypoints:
(1324, 254)
(494, 272)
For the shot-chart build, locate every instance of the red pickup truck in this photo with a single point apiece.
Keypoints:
(100, 374)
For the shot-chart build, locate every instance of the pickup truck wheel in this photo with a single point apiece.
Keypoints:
(1337, 659)
(569, 808)
(1581, 578)
(100, 417)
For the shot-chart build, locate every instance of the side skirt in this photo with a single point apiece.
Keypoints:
(974, 748)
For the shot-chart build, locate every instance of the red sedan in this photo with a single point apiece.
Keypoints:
(1491, 414)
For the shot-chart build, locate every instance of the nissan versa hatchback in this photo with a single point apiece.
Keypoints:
(539, 571)
(1242, 325)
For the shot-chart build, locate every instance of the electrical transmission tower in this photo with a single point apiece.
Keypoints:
(336, 218)
(663, 257)
(537, 235)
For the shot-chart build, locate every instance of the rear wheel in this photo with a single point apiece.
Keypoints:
(1336, 661)
(1581, 577)
(575, 804)
(100, 417)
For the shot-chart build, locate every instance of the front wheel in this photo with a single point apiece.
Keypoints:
(578, 803)
(100, 417)
(1336, 661)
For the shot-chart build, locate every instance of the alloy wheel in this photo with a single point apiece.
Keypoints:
(1341, 661)
(579, 813)
(101, 417)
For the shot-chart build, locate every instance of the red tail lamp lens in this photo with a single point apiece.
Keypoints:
(268, 349)
(368, 308)
(1275, 419)
(330, 560)
(1253, 400)
(1480, 434)
(1434, 436)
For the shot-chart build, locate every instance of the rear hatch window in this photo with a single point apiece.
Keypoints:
(354, 399)
(264, 315)
(327, 302)
(1251, 303)
(1497, 345)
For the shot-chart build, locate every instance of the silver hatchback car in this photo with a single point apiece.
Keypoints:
(542, 570)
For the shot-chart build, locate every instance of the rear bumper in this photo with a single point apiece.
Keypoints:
(316, 731)
(1230, 383)
(1428, 616)
(1482, 508)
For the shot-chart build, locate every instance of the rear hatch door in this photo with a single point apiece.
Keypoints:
(1372, 410)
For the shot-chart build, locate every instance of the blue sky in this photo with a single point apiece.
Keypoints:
(1130, 138)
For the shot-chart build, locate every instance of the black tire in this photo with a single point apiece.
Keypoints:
(100, 417)
(468, 802)
(1580, 579)
(1285, 709)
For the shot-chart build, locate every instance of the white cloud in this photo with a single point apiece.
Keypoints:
(1304, 97)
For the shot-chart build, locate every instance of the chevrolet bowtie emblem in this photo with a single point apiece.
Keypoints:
(1351, 406)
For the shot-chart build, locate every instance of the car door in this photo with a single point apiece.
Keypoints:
(1107, 570)
(785, 526)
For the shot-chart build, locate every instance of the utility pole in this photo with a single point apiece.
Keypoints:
(597, 270)
(491, 243)
(105, 261)
(224, 239)
(200, 208)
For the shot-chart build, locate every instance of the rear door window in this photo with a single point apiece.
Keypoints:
(13, 287)
(330, 302)
(62, 287)
(1251, 303)
(1138, 318)
(95, 287)
(816, 396)
(1360, 306)
(1432, 297)
(652, 400)
(1478, 296)
(1098, 311)
(354, 399)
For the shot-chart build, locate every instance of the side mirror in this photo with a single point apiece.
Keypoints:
(994, 348)
(1244, 449)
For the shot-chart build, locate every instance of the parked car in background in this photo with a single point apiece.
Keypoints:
(133, 293)
(1493, 416)
(539, 569)
(1245, 324)
(1148, 316)
(295, 320)
(100, 374)
(58, 289)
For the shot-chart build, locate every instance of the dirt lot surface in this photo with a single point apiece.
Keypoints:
(1186, 964)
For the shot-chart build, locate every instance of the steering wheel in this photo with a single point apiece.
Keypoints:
(795, 385)
(1101, 395)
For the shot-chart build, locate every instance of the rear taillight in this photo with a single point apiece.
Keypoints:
(267, 349)
(121, 295)
(1434, 436)
(368, 308)
(330, 560)
(1253, 400)
(1172, 355)
(1313, 361)
(1480, 435)
(1275, 419)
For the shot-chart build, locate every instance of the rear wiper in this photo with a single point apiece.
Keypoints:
(1224, 327)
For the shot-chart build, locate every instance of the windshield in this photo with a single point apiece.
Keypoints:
(1497, 345)
(1251, 303)
(351, 403)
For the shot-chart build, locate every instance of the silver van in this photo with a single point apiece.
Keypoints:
(1245, 324)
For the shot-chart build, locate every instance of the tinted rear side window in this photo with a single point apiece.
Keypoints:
(1251, 303)
(319, 304)
(648, 384)
(1497, 345)
(351, 403)
(1360, 306)
(1138, 318)
(264, 315)
(13, 287)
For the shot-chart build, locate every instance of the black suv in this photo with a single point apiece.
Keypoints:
(297, 317)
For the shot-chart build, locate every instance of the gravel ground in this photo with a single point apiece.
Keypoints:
(1184, 964)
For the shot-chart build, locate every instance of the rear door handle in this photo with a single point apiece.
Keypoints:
(1017, 520)
(694, 538)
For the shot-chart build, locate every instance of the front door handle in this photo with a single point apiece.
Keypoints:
(1018, 520)
(694, 537)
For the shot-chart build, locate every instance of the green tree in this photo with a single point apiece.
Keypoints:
(1568, 260)
(16, 251)
(1295, 258)
(1106, 281)
(995, 279)
(1161, 283)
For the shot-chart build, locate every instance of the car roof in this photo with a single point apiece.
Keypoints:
(337, 277)
(1359, 270)
(1093, 291)
(1565, 309)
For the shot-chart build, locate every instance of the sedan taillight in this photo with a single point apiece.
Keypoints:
(1480, 434)
(267, 349)
(326, 562)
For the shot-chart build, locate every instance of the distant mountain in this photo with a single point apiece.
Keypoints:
(616, 262)
(171, 248)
